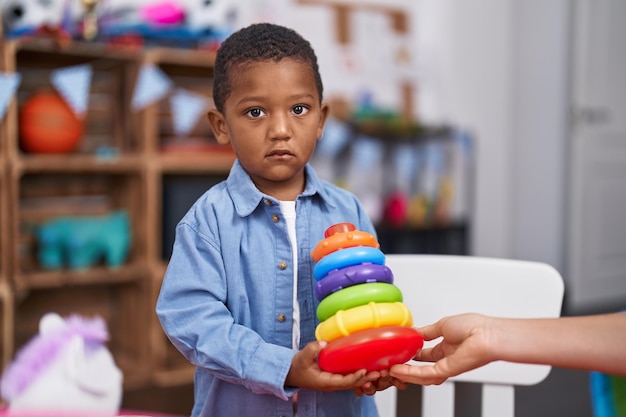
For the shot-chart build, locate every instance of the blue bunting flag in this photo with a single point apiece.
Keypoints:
(187, 107)
(9, 81)
(74, 83)
(152, 85)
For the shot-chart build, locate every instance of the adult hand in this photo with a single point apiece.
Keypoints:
(465, 346)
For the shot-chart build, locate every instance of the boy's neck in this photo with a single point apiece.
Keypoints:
(284, 196)
(283, 190)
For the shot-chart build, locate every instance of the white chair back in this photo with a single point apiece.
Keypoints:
(435, 286)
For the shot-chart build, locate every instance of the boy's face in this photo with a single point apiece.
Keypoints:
(273, 120)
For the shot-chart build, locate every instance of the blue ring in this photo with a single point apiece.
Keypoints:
(347, 257)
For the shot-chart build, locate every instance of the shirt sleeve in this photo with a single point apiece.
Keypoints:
(193, 312)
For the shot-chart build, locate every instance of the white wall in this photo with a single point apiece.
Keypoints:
(503, 67)
(469, 45)
(541, 128)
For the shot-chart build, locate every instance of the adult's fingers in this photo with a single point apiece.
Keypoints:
(431, 331)
(421, 375)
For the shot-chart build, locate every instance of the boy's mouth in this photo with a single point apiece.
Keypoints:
(280, 153)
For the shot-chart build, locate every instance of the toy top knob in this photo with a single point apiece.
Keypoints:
(339, 228)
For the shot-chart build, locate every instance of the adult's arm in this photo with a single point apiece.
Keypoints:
(594, 343)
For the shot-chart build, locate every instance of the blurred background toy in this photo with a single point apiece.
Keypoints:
(47, 124)
(89, 24)
(178, 23)
(26, 16)
(81, 242)
(65, 369)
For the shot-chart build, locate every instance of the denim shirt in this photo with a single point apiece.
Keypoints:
(226, 301)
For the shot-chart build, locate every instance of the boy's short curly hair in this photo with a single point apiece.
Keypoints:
(260, 42)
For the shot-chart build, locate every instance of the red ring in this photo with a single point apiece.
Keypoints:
(338, 228)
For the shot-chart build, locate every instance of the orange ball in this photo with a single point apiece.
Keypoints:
(48, 125)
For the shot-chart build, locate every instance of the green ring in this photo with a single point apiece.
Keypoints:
(356, 295)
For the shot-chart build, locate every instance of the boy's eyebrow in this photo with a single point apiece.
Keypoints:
(244, 100)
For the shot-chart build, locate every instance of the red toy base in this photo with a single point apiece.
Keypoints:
(371, 349)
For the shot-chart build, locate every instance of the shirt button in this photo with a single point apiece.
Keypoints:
(282, 266)
(267, 202)
(281, 317)
(275, 218)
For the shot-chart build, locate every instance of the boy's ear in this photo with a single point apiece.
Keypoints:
(218, 125)
(324, 111)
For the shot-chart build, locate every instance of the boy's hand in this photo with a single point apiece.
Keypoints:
(380, 381)
(306, 373)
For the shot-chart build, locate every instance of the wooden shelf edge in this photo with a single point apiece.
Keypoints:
(134, 377)
(200, 163)
(181, 56)
(76, 164)
(173, 377)
(91, 276)
(41, 44)
(168, 55)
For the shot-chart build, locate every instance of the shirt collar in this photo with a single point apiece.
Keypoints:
(246, 197)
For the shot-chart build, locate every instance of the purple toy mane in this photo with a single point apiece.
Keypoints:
(42, 350)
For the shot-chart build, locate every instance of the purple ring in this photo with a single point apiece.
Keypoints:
(352, 275)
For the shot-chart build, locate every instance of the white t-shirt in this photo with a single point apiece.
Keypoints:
(289, 212)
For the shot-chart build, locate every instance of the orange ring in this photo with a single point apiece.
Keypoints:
(343, 240)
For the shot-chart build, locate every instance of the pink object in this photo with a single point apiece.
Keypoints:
(396, 208)
(163, 13)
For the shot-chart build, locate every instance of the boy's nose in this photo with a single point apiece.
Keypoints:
(280, 127)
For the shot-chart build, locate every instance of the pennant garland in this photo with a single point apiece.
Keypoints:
(187, 107)
(8, 85)
(73, 83)
(152, 85)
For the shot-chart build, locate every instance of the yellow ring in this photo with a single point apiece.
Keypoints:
(343, 240)
(368, 316)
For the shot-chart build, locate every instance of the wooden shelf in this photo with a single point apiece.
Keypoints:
(173, 377)
(90, 276)
(196, 163)
(119, 165)
(103, 52)
(6, 322)
(181, 57)
(33, 164)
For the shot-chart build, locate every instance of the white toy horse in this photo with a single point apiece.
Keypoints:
(66, 368)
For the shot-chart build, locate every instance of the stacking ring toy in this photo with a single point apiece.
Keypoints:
(347, 257)
(371, 349)
(352, 275)
(342, 241)
(368, 316)
(357, 295)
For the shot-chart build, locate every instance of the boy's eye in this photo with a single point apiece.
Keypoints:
(299, 110)
(255, 112)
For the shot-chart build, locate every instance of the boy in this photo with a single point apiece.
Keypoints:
(238, 295)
